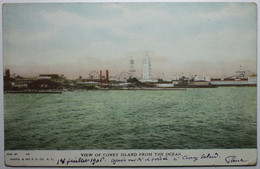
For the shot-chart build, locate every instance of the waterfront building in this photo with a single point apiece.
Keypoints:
(197, 78)
(199, 83)
(164, 85)
(177, 77)
(53, 77)
(252, 79)
(231, 82)
(147, 68)
(94, 76)
(8, 81)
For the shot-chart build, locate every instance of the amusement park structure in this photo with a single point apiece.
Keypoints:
(240, 74)
(147, 68)
(98, 77)
(132, 70)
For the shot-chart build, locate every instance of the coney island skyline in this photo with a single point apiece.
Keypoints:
(211, 39)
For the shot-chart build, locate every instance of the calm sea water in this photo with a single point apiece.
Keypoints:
(193, 119)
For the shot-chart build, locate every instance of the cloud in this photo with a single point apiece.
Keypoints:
(19, 39)
(228, 11)
(104, 35)
(62, 18)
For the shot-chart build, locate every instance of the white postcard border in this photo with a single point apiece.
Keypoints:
(62, 158)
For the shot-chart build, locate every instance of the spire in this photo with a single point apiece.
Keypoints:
(132, 67)
(147, 67)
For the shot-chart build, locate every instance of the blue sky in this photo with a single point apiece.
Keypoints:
(74, 39)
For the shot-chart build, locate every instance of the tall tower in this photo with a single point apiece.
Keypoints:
(132, 68)
(147, 67)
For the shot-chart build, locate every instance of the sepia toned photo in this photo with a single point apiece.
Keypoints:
(130, 84)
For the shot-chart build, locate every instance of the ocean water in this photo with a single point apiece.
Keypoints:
(212, 118)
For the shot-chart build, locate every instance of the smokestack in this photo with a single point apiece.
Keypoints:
(8, 74)
(107, 76)
(100, 75)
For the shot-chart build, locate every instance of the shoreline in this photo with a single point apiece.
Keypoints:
(123, 89)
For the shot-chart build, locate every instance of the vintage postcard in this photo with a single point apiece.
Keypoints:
(130, 84)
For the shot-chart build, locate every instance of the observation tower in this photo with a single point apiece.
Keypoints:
(132, 69)
(147, 68)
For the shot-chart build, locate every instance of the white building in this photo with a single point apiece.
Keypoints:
(197, 78)
(177, 77)
(146, 68)
(229, 82)
(164, 85)
(252, 79)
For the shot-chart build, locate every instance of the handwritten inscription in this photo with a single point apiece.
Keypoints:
(209, 156)
(234, 159)
(92, 161)
(135, 158)
(146, 157)
(193, 158)
(115, 160)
